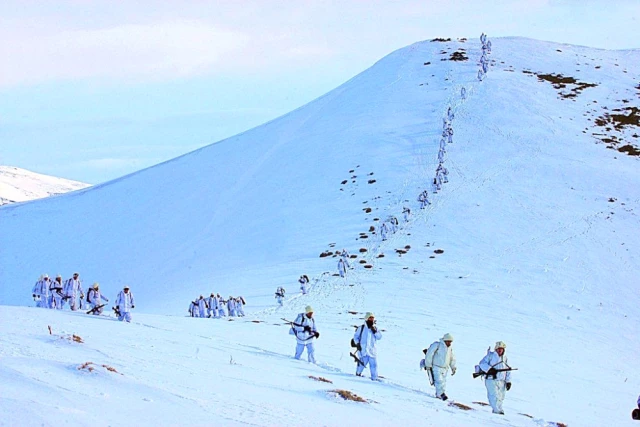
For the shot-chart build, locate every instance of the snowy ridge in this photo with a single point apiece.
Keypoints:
(20, 185)
(536, 234)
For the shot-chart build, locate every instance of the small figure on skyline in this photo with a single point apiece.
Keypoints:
(95, 298)
(280, 292)
(231, 307)
(125, 303)
(240, 302)
(41, 291)
(202, 306)
(221, 305)
(56, 288)
(212, 306)
(73, 288)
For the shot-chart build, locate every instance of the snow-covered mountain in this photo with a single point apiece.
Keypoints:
(534, 241)
(21, 185)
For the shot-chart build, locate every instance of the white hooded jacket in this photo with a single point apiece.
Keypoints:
(302, 336)
(125, 301)
(441, 356)
(492, 360)
(367, 340)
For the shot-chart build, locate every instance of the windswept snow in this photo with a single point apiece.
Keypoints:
(20, 185)
(536, 236)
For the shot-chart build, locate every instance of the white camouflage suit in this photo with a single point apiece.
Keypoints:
(73, 289)
(125, 303)
(305, 332)
(95, 299)
(366, 338)
(440, 358)
(41, 289)
(496, 388)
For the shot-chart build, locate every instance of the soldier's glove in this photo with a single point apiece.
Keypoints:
(317, 334)
(374, 329)
(307, 329)
(492, 372)
(133, 306)
(508, 386)
(453, 371)
(34, 295)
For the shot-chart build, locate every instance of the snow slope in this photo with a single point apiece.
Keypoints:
(20, 185)
(538, 227)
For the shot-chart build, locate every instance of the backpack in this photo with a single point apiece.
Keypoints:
(89, 293)
(355, 344)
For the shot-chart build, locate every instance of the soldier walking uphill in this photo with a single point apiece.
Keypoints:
(497, 376)
(41, 292)
(438, 359)
(304, 284)
(73, 288)
(95, 298)
(125, 303)
(365, 339)
(304, 328)
(56, 288)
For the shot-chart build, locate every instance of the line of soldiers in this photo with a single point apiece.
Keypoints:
(438, 359)
(54, 294)
(215, 305)
(484, 60)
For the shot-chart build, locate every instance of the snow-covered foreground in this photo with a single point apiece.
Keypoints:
(162, 370)
(20, 185)
(537, 228)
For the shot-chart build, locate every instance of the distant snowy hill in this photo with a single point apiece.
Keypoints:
(21, 185)
(534, 241)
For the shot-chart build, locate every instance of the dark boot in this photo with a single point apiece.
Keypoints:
(443, 396)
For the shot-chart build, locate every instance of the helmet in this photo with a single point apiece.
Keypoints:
(308, 309)
(368, 315)
(45, 276)
(96, 285)
(126, 287)
(447, 337)
(500, 344)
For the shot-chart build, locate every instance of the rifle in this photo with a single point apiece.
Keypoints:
(295, 333)
(430, 376)
(116, 310)
(477, 374)
(356, 358)
(96, 308)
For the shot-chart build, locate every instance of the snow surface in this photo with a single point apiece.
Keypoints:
(21, 185)
(538, 226)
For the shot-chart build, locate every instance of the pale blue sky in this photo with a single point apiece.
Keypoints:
(92, 90)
